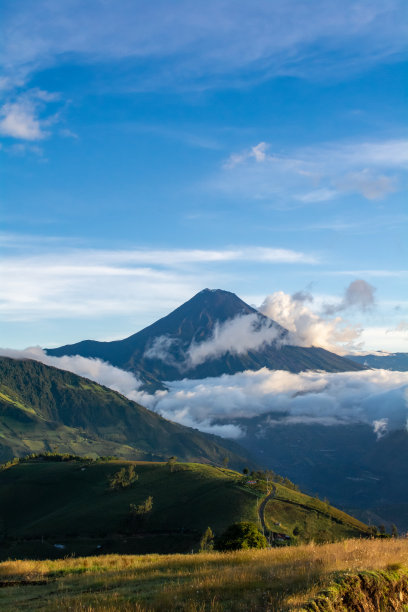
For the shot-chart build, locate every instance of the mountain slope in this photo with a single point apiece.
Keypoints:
(391, 361)
(46, 409)
(193, 323)
(81, 511)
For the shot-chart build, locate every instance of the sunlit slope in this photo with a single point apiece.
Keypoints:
(310, 518)
(46, 409)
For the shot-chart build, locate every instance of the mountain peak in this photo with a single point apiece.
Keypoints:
(223, 304)
(158, 352)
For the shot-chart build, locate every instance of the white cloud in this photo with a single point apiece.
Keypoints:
(306, 327)
(310, 397)
(94, 369)
(376, 397)
(377, 338)
(238, 335)
(380, 427)
(243, 333)
(315, 174)
(20, 117)
(19, 120)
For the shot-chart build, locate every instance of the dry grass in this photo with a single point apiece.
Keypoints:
(277, 579)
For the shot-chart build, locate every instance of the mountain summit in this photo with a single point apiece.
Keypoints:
(204, 337)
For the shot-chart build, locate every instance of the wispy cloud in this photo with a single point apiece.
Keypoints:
(193, 41)
(87, 283)
(314, 174)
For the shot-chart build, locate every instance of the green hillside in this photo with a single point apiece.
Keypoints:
(72, 504)
(43, 409)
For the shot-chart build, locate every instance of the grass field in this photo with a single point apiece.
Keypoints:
(51, 509)
(315, 519)
(276, 580)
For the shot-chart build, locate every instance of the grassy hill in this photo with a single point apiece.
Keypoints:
(71, 504)
(352, 575)
(43, 409)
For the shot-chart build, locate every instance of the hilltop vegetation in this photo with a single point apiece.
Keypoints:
(45, 409)
(364, 574)
(90, 506)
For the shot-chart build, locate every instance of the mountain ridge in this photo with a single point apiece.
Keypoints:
(45, 409)
(390, 361)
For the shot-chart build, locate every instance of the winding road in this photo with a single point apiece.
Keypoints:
(261, 510)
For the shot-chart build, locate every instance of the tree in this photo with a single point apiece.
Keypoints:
(171, 462)
(143, 508)
(394, 531)
(139, 513)
(207, 540)
(225, 461)
(245, 471)
(124, 478)
(296, 530)
(381, 529)
(241, 536)
(373, 531)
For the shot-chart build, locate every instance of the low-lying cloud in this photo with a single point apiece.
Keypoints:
(375, 397)
(236, 336)
(243, 333)
(94, 369)
(378, 398)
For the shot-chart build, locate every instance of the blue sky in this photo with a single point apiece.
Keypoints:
(149, 150)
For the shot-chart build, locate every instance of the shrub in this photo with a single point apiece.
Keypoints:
(241, 536)
(171, 462)
(207, 540)
(124, 478)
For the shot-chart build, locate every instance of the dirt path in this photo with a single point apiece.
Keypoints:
(261, 510)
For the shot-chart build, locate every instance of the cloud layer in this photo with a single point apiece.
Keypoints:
(376, 397)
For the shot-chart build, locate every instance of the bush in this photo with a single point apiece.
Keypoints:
(207, 540)
(124, 478)
(241, 536)
(143, 508)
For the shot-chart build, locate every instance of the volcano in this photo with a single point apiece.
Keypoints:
(159, 352)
